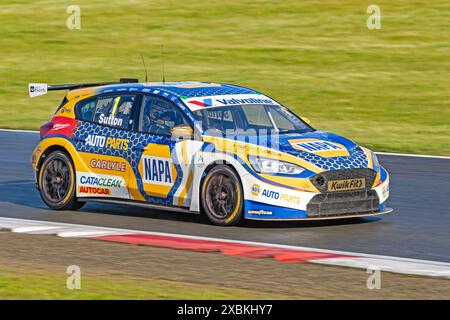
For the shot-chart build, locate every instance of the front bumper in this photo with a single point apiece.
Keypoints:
(285, 214)
(265, 201)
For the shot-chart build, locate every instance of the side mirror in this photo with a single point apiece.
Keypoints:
(306, 120)
(182, 132)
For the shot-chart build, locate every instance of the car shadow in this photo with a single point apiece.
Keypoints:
(139, 212)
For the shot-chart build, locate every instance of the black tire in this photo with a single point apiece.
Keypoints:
(222, 197)
(57, 183)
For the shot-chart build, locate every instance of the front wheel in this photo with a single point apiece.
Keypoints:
(57, 182)
(222, 196)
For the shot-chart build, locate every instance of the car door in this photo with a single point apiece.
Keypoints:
(103, 140)
(164, 172)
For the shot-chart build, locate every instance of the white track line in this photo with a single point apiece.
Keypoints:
(411, 155)
(357, 260)
(389, 265)
(31, 229)
(79, 233)
(17, 130)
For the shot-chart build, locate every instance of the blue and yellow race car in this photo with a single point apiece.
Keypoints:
(223, 150)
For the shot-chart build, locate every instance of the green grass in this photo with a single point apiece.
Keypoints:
(40, 285)
(387, 89)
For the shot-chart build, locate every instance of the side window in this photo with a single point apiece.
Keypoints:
(257, 117)
(114, 111)
(221, 119)
(85, 109)
(284, 120)
(159, 116)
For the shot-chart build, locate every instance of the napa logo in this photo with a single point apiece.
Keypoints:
(256, 189)
(320, 147)
(157, 170)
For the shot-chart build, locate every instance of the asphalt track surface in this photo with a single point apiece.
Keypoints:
(419, 227)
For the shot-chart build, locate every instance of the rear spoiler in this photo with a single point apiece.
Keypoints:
(39, 89)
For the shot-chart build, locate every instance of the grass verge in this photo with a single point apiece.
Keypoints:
(387, 89)
(34, 267)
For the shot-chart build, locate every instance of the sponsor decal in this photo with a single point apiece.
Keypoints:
(260, 212)
(117, 143)
(228, 100)
(108, 142)
(385, 191)
(37, 89)
(157, 170)
(202, 103)
(108, 165)
(320, 147)
(110, 120)
(60, 126)
(101, 182)
(245, 101)
(95, 190)
(348, 184)
(290, 198)
(220, 115)
(95, 141)
(256, 189)
(315, 146)
(271, 194)
(65, 110)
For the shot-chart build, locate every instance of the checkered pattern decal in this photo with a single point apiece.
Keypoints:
(132, 154)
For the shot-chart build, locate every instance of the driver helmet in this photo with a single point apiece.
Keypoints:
(166, 120)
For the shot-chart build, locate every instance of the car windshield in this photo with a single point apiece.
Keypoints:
(249, 120)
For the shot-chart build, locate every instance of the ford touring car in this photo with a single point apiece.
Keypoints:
(222, 150)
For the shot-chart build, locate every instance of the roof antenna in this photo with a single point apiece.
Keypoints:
(145, 67)
(162, 56)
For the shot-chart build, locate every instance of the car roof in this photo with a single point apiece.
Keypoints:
(185, 89)
(181, 91)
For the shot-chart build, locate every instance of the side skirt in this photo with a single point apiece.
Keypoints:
(137, 204)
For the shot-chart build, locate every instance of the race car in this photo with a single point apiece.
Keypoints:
(222, 150)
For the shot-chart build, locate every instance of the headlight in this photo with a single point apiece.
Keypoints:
(273, 166)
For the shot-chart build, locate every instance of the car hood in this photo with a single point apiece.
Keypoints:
(325, 150)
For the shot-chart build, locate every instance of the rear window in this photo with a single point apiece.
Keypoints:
(111, 111)
(114, 111)
(85, 109)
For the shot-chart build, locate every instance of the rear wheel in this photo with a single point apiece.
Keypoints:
(57, 182)
(221, 197)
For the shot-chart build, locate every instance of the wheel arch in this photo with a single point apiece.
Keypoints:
(70, 201)
(47, 146)
(48, 151)
(195, 205)
(213, 164)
